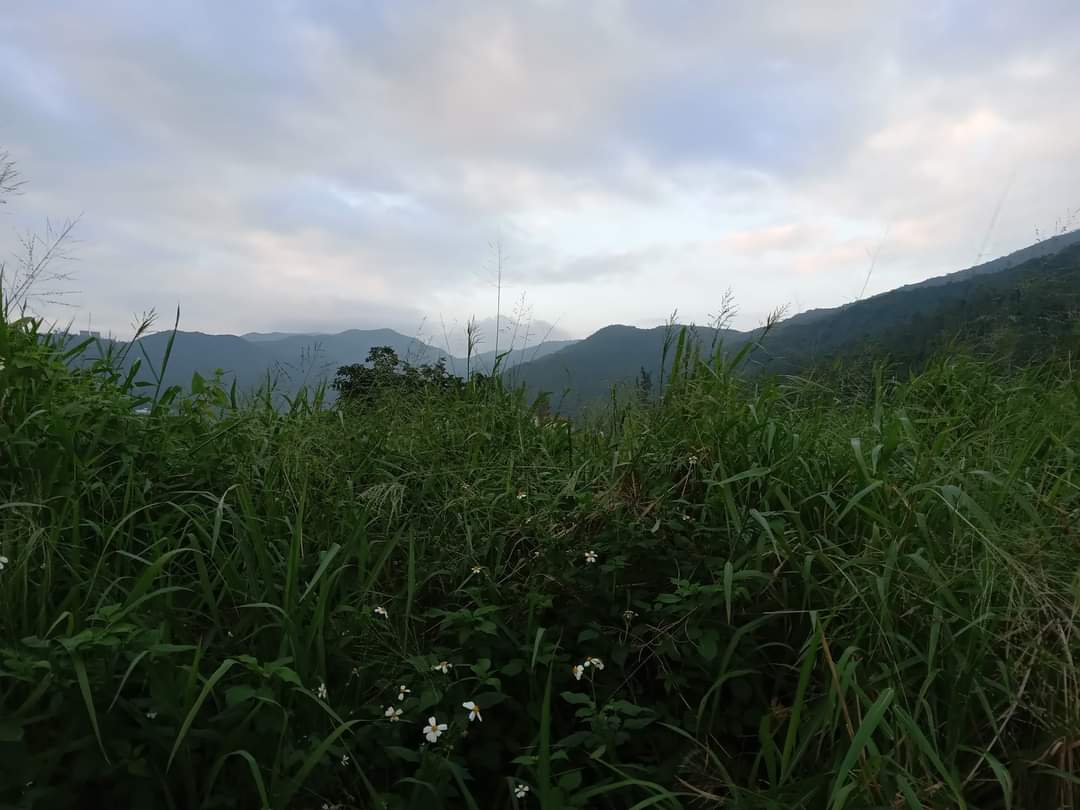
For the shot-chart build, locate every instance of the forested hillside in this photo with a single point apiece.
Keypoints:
(1015, 313)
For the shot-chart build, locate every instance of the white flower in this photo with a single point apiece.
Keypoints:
(590, 557)
(685, 516)
(442, 666)
(692, 460)
(381, 611)
(520, 790)
(596, 663)
(474, 711)
(3, 561)
(344, 760)
(2, 366)
(578, 670)
(322, 693)
(403, 690)
(393, 713)
(151, 715)
(629, 615)
(522, 495)
(434, 729)
(478, 569)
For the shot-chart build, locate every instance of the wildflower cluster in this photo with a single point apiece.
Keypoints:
(578, 670)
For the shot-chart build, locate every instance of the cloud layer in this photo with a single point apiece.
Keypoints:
(295, 166)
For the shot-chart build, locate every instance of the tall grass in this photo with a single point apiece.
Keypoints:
(801, 598)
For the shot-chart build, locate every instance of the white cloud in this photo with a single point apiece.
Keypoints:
(278, 165)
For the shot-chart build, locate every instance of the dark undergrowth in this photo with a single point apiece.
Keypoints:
(749, 595)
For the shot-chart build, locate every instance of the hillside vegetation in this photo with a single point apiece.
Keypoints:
(750, 594)
(1017, 308)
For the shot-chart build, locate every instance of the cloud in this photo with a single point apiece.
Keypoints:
(276, 165)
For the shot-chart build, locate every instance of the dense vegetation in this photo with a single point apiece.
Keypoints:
(751, 594)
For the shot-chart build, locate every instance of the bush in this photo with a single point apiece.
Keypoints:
(756, 594)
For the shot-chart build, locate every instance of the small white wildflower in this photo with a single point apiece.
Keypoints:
(2, 366)
(577, 670)
(442, 666)
(344, 760)
(393, 713)
(692, 460)
(629, 615)
(478, 569)
(595, 663)
(151, 715)
(403, 690)
(322, 693)
(522, 495)
(685, 516)
(474, 711)
(520, 791)
(434, 729)
(3, 561)
(535, 554)
(381, 611)
(590, 557)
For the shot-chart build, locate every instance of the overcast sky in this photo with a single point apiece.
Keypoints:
(327, 165)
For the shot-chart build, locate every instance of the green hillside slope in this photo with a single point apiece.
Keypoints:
(1020, 312)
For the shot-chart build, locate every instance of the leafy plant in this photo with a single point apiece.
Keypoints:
(741, 592)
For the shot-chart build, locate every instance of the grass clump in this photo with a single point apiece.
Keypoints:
(751, 594)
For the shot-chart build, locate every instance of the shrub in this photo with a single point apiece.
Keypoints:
(752, 593)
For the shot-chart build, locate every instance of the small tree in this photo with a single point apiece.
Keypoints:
(384, 372)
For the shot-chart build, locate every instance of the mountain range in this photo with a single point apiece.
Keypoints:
(1027, 302)
(1030, 290)
(290, 361)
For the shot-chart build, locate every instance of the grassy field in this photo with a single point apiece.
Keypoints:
(749, 595)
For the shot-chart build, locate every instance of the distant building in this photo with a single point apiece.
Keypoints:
(86, 333)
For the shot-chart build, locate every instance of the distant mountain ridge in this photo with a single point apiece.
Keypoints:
(906, 322)
(1045, 247)
(890, 322)
(290, 360)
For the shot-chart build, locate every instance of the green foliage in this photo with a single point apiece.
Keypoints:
(748, 593)
(385, 375)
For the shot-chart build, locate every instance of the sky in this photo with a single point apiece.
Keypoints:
(303, 166)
